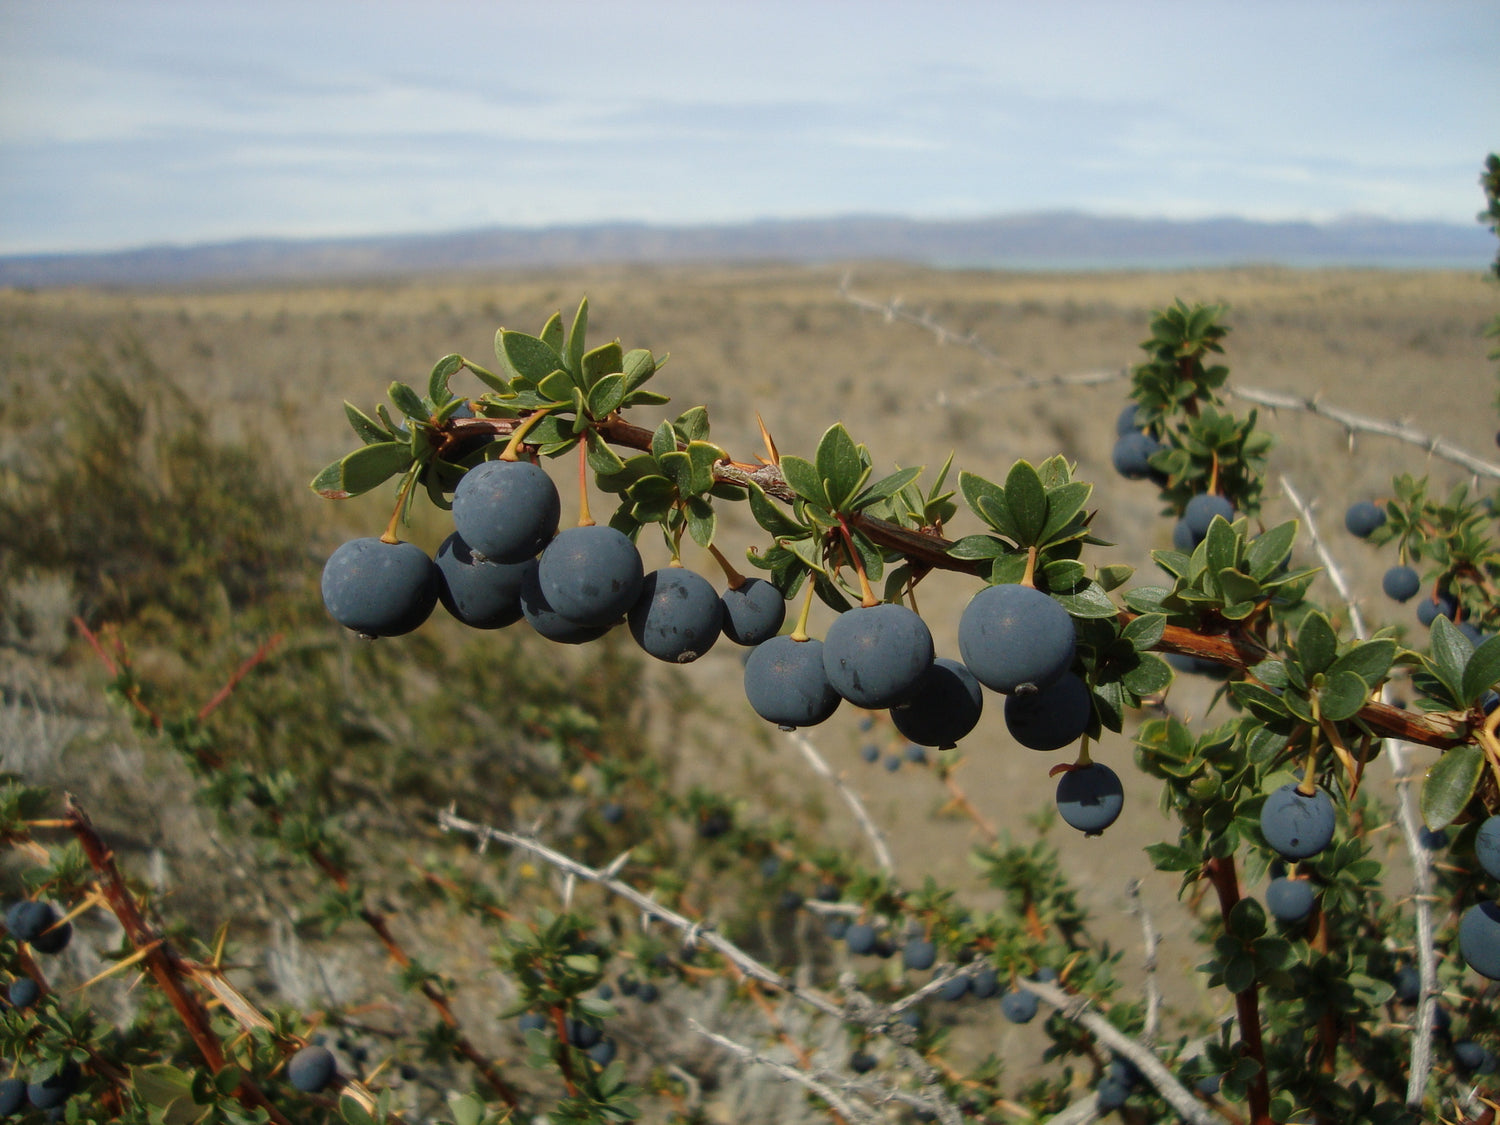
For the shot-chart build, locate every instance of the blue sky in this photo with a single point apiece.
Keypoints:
(125, 123)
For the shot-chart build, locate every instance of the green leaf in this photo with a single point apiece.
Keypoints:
(1026, 500)
(1342, 695)
(1063, 503)
(408, 401)
(1450, 653)
(702, 457)
(886, 487)
(638, 366)
(1316, 644)
(1482, 671)
(363, 469)
(839, 466)
(353, 1113)
(702, 522)
(1370, 661)
(804, 480)
(366, 428)
(978, 547)
(1145, 631)
(574, 346)
(1150, 675)
(1450, 783)
(602, 459)
(1263, 704)
(526, 356)
(1239, 971)
(556, 386)
(1220, 546)
(692, 425)
(606, 359)
(1168, 857)
(606, 395)
(987, 501)
(771, 517)
(437, 381)
(1269, 550)
(1114, 576)
(1247, 920)
(1090, 602)
(663, 440)
(1238, 587)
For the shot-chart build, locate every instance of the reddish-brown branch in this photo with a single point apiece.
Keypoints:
(1226, 884)
(159, 958)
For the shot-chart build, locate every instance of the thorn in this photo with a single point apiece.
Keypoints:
(775, 457)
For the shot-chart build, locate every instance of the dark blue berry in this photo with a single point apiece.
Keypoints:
(1289, 900)
(591, 575)
(1362, 518)
(876, 655)
(1051, 717)
(1297, 825)
(480, 593)
(24, 992)
(1090, 798)
(311, 1069)
(860, 938)
(1473, 1057)
(861, 1062)
(506, 510)
(1201, 510)
(603, 1052)
(1441, 604)
(678, 616)
(945, 706)
(1401, 583)
(1019, 1006)
(12, 1096)
(1132, 453)
(1479, 939)
(786, 683)
(919, 954)
(870, 752)
(380, 589)
(753, 612)
(56, 1089)
(1012, 635)
(547, 621)
(1125, 421)
(1487, 846)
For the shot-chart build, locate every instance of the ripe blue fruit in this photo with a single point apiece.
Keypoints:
(1362, 518)
(919, 954)
(1202, 509)
(1090, 798)
(945, 706)
(533, 1021)
(786, 683)
(1132, 455)
(1443, 604)
(870, 752)
(1474, 1057)
(480, 593)
(1012, 635)
(860, 938)
(28, 918)
(1297, 825)
(954, 989)
(603, 1052)
(547, 621)
(1289, 900)
(1019, 1006)
(506, 510)
(1207, 1084)
(12, 1096)
(1479, 939)
(1432, 841)
(380, 589)
(753, 612)
(53, 1091)
(892, 763)
(1183, 538)
(875, 655)
(984, 984)
(1051, 717)
(861, 1062)
(1408, 984)
(1125, 421)
(1401, 583)
(311, 1069)
(1111, 1094)
(1487, 846)
(591, 575)
(583, 1035)
(24, 992)
(677, 617)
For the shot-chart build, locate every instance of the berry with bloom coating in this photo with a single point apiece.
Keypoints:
(753, 612)
(945, 706)
(1362, 518)
(480, 593)
(591, 575)
(1052, 717)
(311, 1069)
(1289, 900)
(1090, 798)
(786, 683)
(1202, 509)
(1297, 825)
(678, 615)
(1019, 1006)
(1479, 939)
(1013, 635)
(876, 655)
(1401, 583)
(1131, 455)
(1487, 846)
(380, 589)
(506, 510)
(919, 954)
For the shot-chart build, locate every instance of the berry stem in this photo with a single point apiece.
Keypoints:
(1029, 578)
(584, 518)
(403, 498)
(800, 632)
(732, 576)
(518, 435)
(1309, 783)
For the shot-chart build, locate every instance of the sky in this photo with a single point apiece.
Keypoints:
(130, 123)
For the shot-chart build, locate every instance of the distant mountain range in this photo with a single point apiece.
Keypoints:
(1050, 240)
